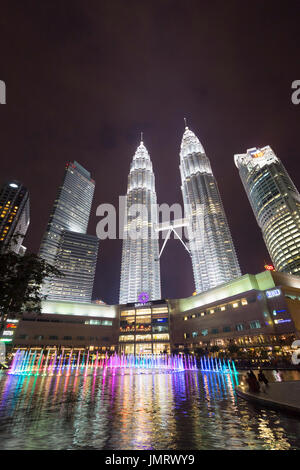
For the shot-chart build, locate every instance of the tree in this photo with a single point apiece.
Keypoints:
(214, 348)
(21, 278)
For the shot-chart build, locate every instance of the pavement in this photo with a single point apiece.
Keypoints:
(283, 396)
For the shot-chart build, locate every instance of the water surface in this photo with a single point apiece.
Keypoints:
(131, 410)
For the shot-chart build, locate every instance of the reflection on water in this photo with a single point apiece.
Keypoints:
(131, 410)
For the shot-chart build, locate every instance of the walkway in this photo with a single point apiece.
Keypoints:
(283, 396)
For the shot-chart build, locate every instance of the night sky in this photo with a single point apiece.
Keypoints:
(84, 78)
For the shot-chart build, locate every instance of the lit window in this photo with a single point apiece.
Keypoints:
(255, 324)
(235, 305)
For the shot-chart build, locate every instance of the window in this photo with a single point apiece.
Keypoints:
(204, 332)
(255, 324)
(39, 337)
(194, 334)
(143, 311)
(239, 327)
(226, 329)
(67, 337)
(53, 337)
(160, 310)
(244, 302)
(235, 305)
(124, 313)
(143, 338)
(215, 331)
(80, 338)
(161, 337)
(127, 338)
(185, 318)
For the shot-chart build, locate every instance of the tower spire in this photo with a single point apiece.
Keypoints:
(141, 137)
(185, 123)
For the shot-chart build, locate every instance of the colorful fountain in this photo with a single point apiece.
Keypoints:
(28, 362)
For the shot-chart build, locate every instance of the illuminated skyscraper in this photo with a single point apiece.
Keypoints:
(140, 271)
(276, 205)
(211, 247)
(76, 259)
(66, 244)
(14, 216)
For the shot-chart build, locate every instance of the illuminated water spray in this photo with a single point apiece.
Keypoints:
(33, 363)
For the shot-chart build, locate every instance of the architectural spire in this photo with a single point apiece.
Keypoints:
(190, 143)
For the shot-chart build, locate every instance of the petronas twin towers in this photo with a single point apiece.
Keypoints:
(210, 244)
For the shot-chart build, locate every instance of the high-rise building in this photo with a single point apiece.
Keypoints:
(14, 216)
(76, 259)
(140, 271)
(276, 205)
(211, 247)
(61, 247)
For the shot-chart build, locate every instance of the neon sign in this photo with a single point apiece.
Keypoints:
(269, 267)
(273, 293)
(143, 297)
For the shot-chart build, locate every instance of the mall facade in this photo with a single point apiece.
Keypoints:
(257, 312)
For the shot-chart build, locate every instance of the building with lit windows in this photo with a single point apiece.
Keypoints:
(76, 259)
(14, 216)
(66, 244)
(144, 328)
(276, 205)
(211, 247)
(254, 312)
(140, 269)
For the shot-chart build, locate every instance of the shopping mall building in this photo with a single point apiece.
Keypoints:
(253, 311)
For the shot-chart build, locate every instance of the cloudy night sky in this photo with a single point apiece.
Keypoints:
(84, 78)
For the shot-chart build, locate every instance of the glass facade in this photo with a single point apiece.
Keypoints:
(212, 251)
(145, 329)
(14, 216)
(276, 205)
(66, 244)
(140, 270)
(76, 259)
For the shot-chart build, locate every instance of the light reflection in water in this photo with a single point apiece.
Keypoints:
(129, 410)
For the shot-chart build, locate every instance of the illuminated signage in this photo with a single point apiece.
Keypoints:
(148, 304)
(269, 267)
(273, 293)
(281, 320)
(143, 297)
